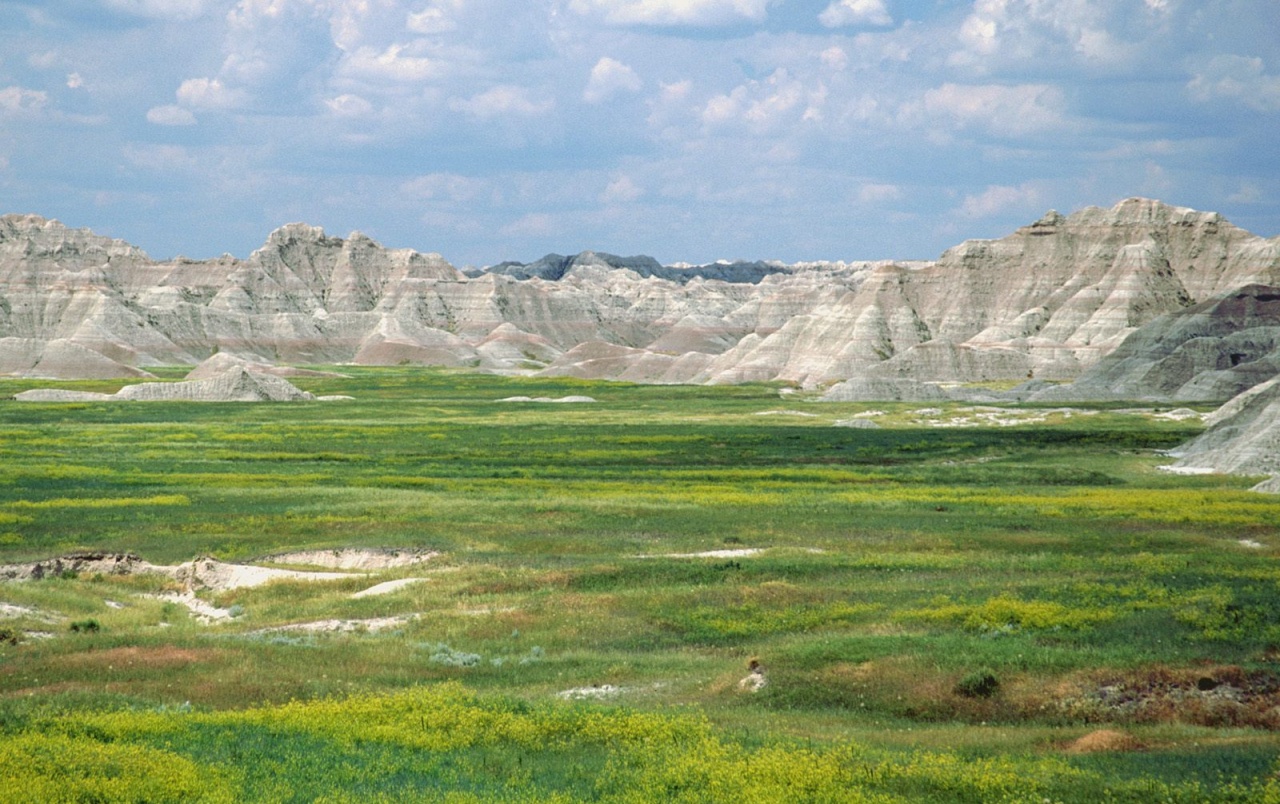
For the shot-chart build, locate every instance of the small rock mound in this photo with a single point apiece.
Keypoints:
(236, 384)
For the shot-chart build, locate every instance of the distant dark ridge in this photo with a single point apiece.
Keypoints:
(553, 267)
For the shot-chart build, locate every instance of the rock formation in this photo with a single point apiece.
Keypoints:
(1243, 437)
(1047, 301)
(236, 384)
(1204, 353)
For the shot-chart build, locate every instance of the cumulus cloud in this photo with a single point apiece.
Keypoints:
(451, 187)
(879, 193)
(1237, 78)
(501, 101)
(208, 93)
(621, 191)
(997, 199)
(855, 12)
(608, 78)
(74, 81)
(764, 105)
(1098, 32)
(835, 58)
(160, 158)
(348, 105)
(160, 9)
(438, 17)
(1004, 110)
(389, 64)
(674, 12)
(19, 102)
(170, 115)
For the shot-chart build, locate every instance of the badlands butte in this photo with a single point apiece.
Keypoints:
(1142, 301)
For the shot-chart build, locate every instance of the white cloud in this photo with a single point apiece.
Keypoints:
(835, 58)
(208, 93)
(170, 116)
(160, 9)
(389, 64)
(18, 102)
(450, 187)
(1040, 31)
(608, 78)
(1006, 110)
(997, 199)
(160, 158)
(43, 61)
(674, 12)
(500, 101)
(436, 18)
(1247, 194)
(621, 191)
(348, 105)
(1237, 78)
(534, 224)
(879, 193)
(764, 105)
(74, 81)
(855, 12)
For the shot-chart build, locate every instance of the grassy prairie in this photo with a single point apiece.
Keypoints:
(944, 605)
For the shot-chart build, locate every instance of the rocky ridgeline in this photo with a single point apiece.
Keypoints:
(1049, 301)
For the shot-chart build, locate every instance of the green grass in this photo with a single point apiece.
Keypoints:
(894, 563)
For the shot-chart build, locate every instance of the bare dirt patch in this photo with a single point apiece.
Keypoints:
(1104, 740)
(1209, 696)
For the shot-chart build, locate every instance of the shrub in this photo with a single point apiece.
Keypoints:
(978, 684)
(89, 626)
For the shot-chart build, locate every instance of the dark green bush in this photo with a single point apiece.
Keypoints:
(978, 684)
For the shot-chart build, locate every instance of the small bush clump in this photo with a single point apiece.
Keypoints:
(978, 684)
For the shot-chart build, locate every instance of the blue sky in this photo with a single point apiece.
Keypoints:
(690, 130)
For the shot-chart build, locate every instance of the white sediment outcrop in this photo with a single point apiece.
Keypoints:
(1045, 302)
(236, 384)
(1243, 438)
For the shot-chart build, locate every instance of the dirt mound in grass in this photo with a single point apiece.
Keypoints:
(1104, 740)
(1207, 696)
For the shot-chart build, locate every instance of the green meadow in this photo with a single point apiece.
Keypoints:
(961, 603)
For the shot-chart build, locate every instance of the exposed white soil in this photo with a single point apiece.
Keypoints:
(371, 625)
(208, 573)
(218, 576)
(1186, 470)
(1252, 544)
(1181, 414)
(386, 587)
(354, 558)
(572, 399)
(598, 692)
(8, 610)
(204, 612)
(786, 413)
(741, 552)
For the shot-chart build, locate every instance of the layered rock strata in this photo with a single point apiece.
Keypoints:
(1048, 301)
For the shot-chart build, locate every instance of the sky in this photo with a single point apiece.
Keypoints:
(689, 130)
